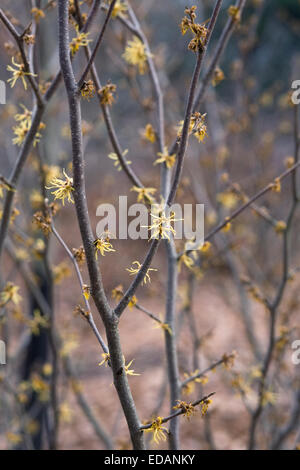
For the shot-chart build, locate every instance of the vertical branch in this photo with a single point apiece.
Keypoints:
(110, 320)
(78, 162)
(171, 343)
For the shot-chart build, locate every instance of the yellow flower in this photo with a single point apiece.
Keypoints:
(179, 128)
(202, 380)
(144, 194)
(14, 214)
(50, 172)
(256, 372)
(127, 370)
(158, 430)
(37, 14)
(65, 412)
(133, 271)
(132, 302)
(117, 293)
(162, 226)
(37, 323)
(163, 326)
(64, 188)
(199, 127)
(61, 272)
(106, 359)
(226, 227)
(268, 398)
(32, 427)
(218, 76)
(135, 54)
(106, 94)
(228, 199)
(169, 160)
(10, 293)
(229, 359)
(87, 92)
(86, 291)
(199, 31)
(36, 199)
(187, 260)
(22, 398)
(22, 254)
(18, 72)
(204, 406)
(79, 254)
(81, 40)
(76, 386)
(70, 343)
(42, 221)
(102, 245)
(21, 132)
(280, 226)
(5, 185)
(289, 162)
(26, 116)
(149, 133)
(235, 13)
(40, 387)
(187, 408)
(119, 9)
(13, 438)
(47, 369)
(113, 156)
(205, 247)
(276, 187)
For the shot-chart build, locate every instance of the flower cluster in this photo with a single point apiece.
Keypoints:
(21, 130)
(10, 293)
(80, 40)
(235, 13)
(161, 226)
(63, 188)
(135, 54)
(120, 9)
(158, 430)
(133, 271)
(187, 409)
(113, 156)
(18, 71)
(199, 31)
(197, 127)
(88, 90)
(149, 133)
(102, 245)
(107, 94)
(144, 194)
(165, 158)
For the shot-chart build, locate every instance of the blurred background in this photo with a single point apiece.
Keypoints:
(251, 126)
